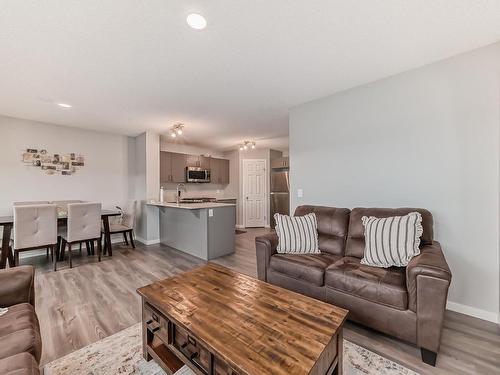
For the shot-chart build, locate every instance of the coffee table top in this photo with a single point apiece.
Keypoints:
(257, 327)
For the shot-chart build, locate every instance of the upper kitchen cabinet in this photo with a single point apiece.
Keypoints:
(172, 167)
(198, 161)
(165, 166)
(283, 162)
(219, 171)
(179, 164)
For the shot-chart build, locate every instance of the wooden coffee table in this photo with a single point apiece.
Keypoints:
(218, 321)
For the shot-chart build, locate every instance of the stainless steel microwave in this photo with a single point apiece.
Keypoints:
(197, 174)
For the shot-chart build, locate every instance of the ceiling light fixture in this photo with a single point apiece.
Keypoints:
(196, 21)
(176, 130)
(64, 105)
(246, 144)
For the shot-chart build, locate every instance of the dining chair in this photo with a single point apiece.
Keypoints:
(30, 203)
(62, 210)
(126, 223)
(84, 225)
(35, 227)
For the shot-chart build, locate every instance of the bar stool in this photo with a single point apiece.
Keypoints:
(35, 227)
(84, 225)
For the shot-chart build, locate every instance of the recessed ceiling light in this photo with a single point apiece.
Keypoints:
(64, 105)
(196, 21)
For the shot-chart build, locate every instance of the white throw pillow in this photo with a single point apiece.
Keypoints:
(392, 241)
(297, 234)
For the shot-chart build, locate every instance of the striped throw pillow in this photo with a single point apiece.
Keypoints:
(392, 241)
(297, 234)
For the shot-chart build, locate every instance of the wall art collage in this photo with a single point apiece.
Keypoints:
(51, 164)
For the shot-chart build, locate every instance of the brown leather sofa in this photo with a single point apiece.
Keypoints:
(407, 303)
(20, 341)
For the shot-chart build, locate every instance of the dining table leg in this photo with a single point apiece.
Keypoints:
(107, 237)
(6, 249)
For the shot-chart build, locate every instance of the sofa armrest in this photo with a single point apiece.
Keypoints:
(428, 278)
(265, 247)
(432, 263)
(17, 285)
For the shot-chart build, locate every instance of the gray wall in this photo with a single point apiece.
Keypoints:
(102, 179)
(425, 138)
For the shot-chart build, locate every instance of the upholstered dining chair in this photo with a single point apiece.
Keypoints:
(84, 225)
(126, 223)
(35, 227)
(62, 206)
(29, 203)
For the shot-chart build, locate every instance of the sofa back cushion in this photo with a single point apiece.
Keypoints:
(355, 246)
(332, 227)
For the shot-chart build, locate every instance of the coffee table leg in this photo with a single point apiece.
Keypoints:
(6, 249)
(107, 236)
(340, 351)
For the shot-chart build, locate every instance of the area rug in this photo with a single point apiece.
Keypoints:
(121, 353)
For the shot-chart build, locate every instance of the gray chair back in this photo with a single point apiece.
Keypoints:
(35, 226)
(84, 221)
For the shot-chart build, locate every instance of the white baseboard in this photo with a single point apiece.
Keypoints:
(473, 311)
(147, 242)
(239, 226)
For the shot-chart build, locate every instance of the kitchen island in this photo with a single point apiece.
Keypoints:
(204, 230)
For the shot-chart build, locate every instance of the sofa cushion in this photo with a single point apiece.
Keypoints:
(20, 332)
(355, 246)
(305, 267)
(332, 226)
(297, 234)
(386, 286)
(19, 364)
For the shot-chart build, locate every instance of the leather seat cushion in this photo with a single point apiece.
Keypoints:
(20, 332)
(19, 364)
(305, 267)
(386, 286)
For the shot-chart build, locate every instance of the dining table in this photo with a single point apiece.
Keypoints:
(7, 222)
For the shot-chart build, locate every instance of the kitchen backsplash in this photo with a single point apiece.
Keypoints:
(196, 191)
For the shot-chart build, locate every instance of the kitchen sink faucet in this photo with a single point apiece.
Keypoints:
(178, 195)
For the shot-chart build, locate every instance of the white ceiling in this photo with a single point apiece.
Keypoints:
(128, 66)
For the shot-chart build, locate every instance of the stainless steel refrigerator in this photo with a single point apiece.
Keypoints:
(280, 193)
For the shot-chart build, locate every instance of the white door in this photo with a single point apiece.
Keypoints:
(254, 192)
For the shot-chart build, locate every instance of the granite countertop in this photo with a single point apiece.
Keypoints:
(191, 206)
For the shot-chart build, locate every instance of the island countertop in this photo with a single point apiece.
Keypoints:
(190, 206)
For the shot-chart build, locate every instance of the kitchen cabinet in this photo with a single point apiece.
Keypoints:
(165, 166)
(172, 167)
(198, 161)
(224, 171)
(283, 162)
(179, 164)
(219, 171)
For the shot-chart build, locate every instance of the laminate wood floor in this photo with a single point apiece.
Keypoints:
(93, 300)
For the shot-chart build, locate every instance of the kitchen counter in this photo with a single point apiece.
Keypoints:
(191, 206)
(204, 230)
